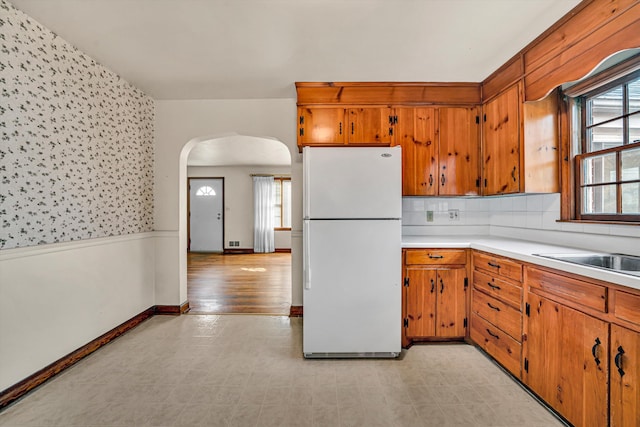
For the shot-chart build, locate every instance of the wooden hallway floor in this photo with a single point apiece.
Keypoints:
(239, 284)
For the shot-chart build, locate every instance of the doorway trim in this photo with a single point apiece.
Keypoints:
(189, 178)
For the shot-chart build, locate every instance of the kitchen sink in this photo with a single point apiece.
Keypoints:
(627, 264)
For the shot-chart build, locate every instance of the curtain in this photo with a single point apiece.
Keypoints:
(263, 199)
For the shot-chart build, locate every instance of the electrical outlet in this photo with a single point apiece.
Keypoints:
(429, 216)
(454, 215)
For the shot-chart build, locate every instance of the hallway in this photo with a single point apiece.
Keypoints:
(239, 284)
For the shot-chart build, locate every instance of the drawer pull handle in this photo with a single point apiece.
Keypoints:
(618, 361)
(493, 265)
(492, 334)
(441, 286)
(433, 285)
(594, 350)
(436, 256)
(492, 307)
(492, 286)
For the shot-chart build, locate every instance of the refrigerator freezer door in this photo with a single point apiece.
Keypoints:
(358, 182)
(352, 292)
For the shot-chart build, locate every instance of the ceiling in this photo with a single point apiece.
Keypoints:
(241, 49)
(239, 150)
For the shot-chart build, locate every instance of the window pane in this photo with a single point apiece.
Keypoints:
(601, 199)
(630, 164)
(277, 203)
(631, 198)
(599, 169)
(634, 95)
(634, 128)
(605, 136)
(605, 106)
(286, 204)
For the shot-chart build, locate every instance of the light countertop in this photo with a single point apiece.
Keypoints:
(522, 250)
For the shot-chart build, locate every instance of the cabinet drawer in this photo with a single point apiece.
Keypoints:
(626, 306)
(498, 313)
(567, 289)
(505, 291)
(435, 256)
(499, 345)
(498, 266)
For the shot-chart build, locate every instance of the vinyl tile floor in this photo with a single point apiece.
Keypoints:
(245, 370)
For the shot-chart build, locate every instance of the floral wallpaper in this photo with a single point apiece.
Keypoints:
(76, 156)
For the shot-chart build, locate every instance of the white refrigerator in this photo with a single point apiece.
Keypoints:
(352, 204)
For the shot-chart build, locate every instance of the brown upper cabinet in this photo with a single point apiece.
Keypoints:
(320, 126)
(370, 125)
(520, 144)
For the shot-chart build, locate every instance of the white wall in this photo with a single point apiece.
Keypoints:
(57, 298)
(183, 122)
(238, 201)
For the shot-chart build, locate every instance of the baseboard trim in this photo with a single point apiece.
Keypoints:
(23, 387)
(172, 310)
(295, 311)
(238, 251)
(283, 250)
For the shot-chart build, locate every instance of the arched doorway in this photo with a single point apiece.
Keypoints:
(236, 281)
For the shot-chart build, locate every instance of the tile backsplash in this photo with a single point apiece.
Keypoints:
(484, 214)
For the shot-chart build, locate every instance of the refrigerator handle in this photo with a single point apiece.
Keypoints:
(306, 257)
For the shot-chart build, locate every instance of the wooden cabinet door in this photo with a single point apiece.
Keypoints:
(320, 126)
(420, 302)
(451, 297)
(566, 361)
(625, 377)
(416, 133)
(370, 125)
(501, 148)
(459, 151)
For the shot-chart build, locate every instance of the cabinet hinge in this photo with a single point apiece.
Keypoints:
(484, 117)
(527, 309)
(390, 120)
(478, 182)
(301, 120)
(526, 365)
(477, 120)
(301, 131)
(464, 323)
(466, 283)
(406, 323)
(485, 183)
(390, 131)
(395, 120)
(406, 281)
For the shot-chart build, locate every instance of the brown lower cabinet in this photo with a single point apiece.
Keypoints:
(567, 361)
(625, 377)
(434, 297)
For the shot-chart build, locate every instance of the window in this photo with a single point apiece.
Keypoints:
(282, 204)
(608, 166)
(206, 191)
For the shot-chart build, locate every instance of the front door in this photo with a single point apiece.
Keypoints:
(206, 210)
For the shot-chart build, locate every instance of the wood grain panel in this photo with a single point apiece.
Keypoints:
(390, 93)
(321, 126)
(593, 16)
(501, 144)
(505, 317)
(502, 78)
(626, 306)
(574, 292)
(435, 256)
(625, 377)
(451, 302)
(369, 125)
(580, 59)
(500, 289)
(459, 151)
(497, 265)
(541, 154)
(20, 389)
(420, 302)
(500, 346)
